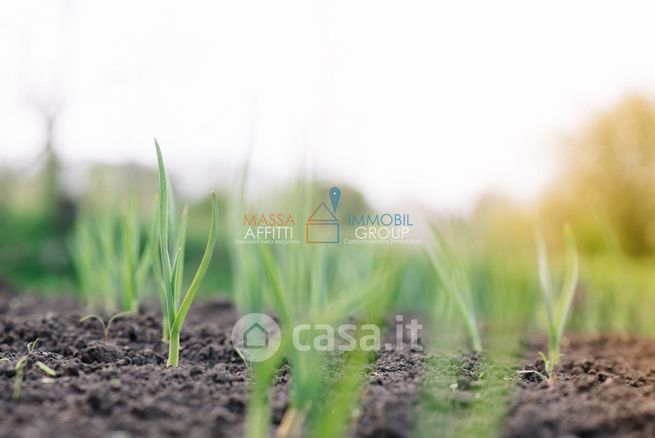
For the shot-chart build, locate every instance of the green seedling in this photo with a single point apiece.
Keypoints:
(136, 263)
(339, 403)
(558, 306)
(106, 254)
(301, 292)
(453, 279)
(105, 325)
(316, 284)
(156, 268)
(86, 255)
(172, 270)
(246, 288)
(21, 364)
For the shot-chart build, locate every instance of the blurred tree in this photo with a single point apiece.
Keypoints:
(607, 186)
(36, 213)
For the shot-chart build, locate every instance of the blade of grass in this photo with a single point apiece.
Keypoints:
(558, 307)
(570, 282)
(202, 269)
(46, 369)
(180, 243)
(453, 280)
(130, 253)
(165, 257)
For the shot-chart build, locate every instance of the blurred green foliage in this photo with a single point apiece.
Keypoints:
(112, 259)
(609, 172)
(35, 218)
(605, 191)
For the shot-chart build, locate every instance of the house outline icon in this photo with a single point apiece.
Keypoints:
(319, 220)
(248, 342)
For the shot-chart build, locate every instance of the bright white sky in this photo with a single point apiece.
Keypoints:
(424, 101)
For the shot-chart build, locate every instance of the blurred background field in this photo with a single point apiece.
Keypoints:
(490, 133)
(604, 190)
(484, 126)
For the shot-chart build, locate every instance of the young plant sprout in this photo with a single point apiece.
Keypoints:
(301, 293)
(156, 267)
(22, 364)
(135, 262)
(95, 278)
(105, 325)
(172, 270)
(110, 265)
(453, 279)
(557, 306)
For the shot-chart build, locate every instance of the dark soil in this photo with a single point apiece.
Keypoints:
(605, 387)
(120, 387)
(389, 402)
(119, 384)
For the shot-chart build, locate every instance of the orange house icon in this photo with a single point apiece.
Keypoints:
(322, 226)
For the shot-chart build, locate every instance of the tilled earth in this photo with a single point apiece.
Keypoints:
(120, 387)
(605, 387)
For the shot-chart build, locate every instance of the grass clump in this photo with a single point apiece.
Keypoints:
(176, 305)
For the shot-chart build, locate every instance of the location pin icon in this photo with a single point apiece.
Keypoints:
(335, 195)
